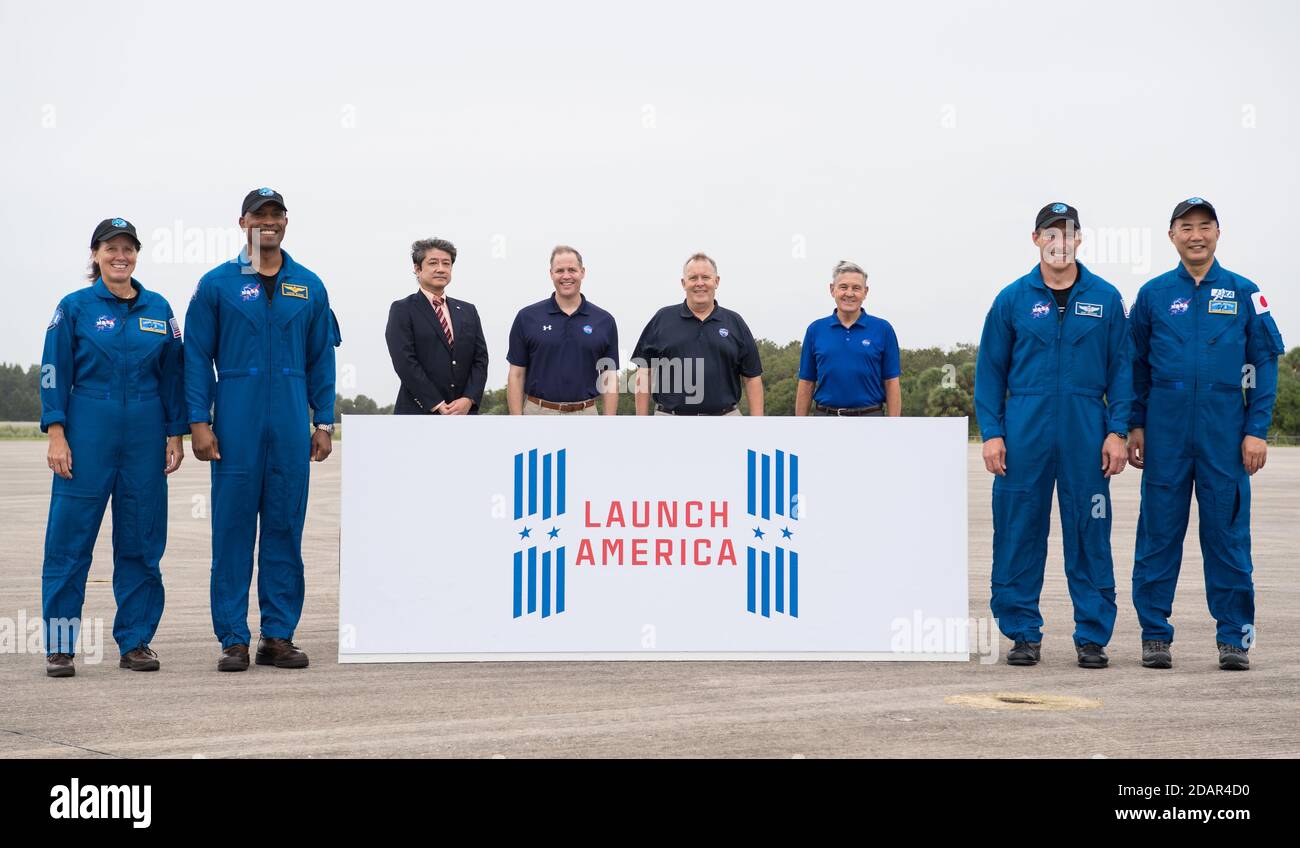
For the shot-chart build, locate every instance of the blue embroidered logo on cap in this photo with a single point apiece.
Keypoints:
(265, 192)
(1059, 207)
(722, 331)
(118, 222)
(1194, 200)
(586, 328)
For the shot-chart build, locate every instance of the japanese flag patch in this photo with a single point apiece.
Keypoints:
(1261, 303)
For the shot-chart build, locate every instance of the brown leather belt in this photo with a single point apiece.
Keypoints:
(576, 406)
(685, 414)
(864, 410)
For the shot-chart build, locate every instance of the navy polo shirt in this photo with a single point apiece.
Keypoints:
(849, 365)
(563, 353)
(721, 346)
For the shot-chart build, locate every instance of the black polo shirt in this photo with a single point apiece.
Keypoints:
(563, 354)
(721, 344)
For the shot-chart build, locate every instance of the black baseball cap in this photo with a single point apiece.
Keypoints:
(259, 197)
(1193, 203)
(110, 227)
(1053, 212)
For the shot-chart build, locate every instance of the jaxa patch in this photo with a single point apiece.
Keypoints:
(1223, 307)
(1091, 310)
(176, 328)
(153, 325)
(1223, 294)
(57, 318)
(290, 290)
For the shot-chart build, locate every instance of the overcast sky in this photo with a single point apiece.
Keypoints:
(918, 140)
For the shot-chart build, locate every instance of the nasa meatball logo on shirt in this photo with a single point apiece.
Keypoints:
(1179, 306)
(104, 323)
(722, 331)
(1041, 309)
(252, 291)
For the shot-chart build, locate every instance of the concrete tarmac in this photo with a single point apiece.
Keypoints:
(645, 709)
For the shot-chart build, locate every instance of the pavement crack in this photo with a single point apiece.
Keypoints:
(57, 742)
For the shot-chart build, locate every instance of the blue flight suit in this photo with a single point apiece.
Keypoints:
(274, 358)
(1053, 386)
(1194, 350)
(112, 375)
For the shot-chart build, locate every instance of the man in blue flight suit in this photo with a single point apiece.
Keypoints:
(1205, 350)
(264, 322)
(1053, 387)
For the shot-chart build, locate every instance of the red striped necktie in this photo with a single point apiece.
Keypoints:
(440, 306)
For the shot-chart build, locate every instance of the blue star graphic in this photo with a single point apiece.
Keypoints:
(786, 533)
(523, 534)
(758, 534)
(554, 532)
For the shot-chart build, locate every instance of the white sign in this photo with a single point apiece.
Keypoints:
(562, 538)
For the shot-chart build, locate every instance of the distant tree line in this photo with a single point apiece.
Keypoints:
(935, 383)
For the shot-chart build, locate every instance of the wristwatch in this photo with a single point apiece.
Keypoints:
(328, 428)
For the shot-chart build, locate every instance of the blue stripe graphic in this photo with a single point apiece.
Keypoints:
(559, 576)
(532, 579)
(519, 580)
(767, 486)
(546, 584)
(780, 482)
(794, 487)
(749, 576)
(780, 579)
(519, 486)
(546, 485)
(767, 567)
(559, 484)
(794, 584)
(750, 467)
(532, 482)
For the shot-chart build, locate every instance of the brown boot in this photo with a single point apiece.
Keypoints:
(60, 665)
(234, 658)
(140, 659)
(280, 653)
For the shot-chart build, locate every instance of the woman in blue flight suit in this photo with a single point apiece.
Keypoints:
(113, 402)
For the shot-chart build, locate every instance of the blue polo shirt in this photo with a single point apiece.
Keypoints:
(849, 365)
(563, 354)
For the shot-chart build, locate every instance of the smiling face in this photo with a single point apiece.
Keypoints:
(849, 291)
(434, 271)
(1057, 243)
(116, 259)
(265, 226)
(1195, 236)
(700, 282)
(566, 274)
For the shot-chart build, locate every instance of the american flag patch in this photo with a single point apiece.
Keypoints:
(176, 328)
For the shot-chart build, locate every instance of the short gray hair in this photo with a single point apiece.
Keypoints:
(700, 257)
(423, 246)
(844, 266)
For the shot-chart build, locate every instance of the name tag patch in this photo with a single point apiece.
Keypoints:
(153, 325)
(290, 290)
(1092, 310)
(1223, 307)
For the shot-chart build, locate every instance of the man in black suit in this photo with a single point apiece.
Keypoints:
(436, 342)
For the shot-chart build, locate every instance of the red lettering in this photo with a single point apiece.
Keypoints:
(611, 548)
(717, 516)
(663, 551)
(638, 547)
(727, 554)
(692, 507)
(698, 560)
(584, 553)
(587, 512)
(615, 518)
